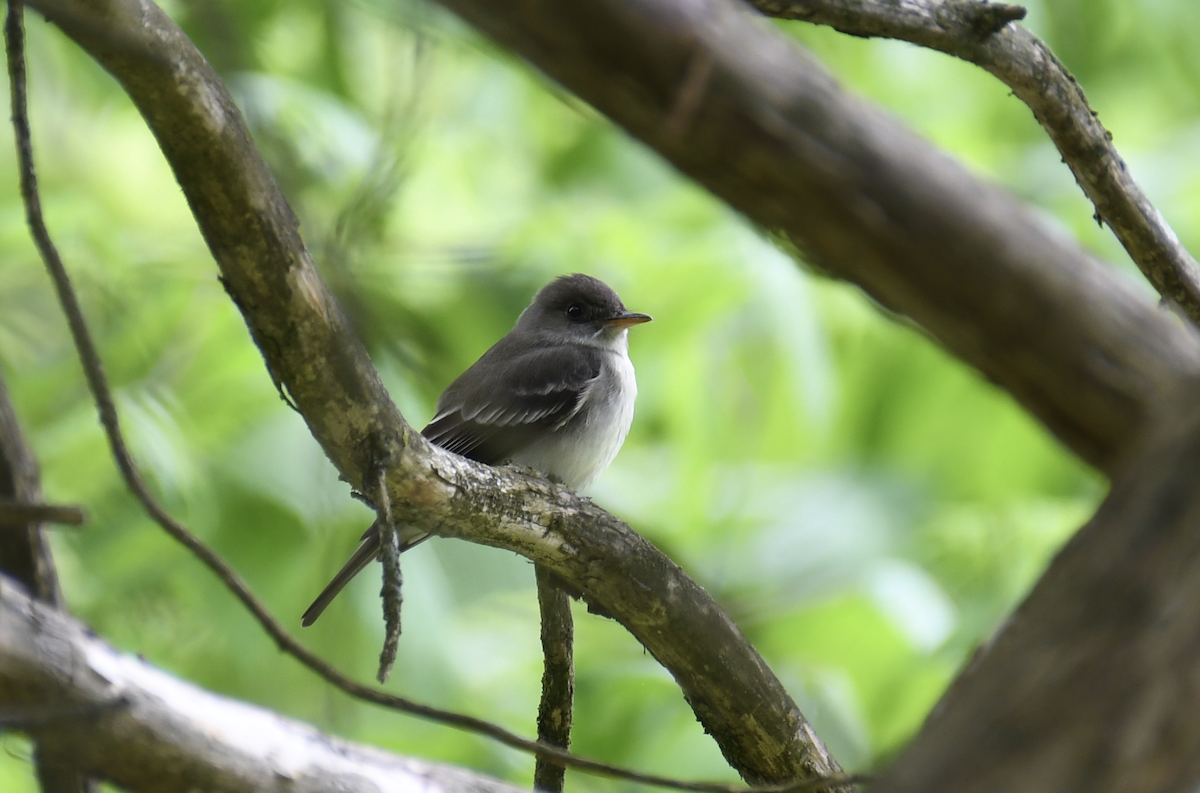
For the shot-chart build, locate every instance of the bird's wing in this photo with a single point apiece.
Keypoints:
(511, 404)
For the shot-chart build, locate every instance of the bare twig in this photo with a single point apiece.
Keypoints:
(393, 580)
(1025, 64)
(558, 677)
(18, 513)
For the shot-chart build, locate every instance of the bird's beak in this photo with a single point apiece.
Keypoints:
(627, 320)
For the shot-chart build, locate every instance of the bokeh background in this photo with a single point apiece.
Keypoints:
(866, 508)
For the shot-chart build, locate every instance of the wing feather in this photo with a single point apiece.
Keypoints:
(506, 401)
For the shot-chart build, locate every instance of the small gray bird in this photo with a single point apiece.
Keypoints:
(556, 394)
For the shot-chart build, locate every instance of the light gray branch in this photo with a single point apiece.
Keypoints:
(120, 718)
(1025, 64)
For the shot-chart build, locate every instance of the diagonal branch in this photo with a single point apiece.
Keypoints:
(312, 353)
(1091, 685)
(1025, 64)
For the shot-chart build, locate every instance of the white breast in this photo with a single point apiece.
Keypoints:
(588, 442)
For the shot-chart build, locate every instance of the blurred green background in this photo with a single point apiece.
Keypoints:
(866, 508)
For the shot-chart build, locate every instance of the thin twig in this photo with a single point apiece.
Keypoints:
(393, 580)
(967, 29)
(20, 514)
(558, 678)
(98, 384)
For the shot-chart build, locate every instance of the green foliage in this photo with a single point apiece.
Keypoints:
(867, 508)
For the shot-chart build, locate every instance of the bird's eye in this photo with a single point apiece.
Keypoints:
(575, 311)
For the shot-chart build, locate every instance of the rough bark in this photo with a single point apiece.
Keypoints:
(122, 719)
(1092, 685)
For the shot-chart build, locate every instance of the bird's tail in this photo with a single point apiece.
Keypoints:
(366, 553)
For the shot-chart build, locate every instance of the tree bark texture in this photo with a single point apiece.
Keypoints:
(1092, 685)
(119, 718)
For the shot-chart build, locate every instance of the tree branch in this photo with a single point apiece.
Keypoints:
(1025, 64)
(16, 514)
(393, 579)
(1091, 686)
(312, 353)
(168, 735)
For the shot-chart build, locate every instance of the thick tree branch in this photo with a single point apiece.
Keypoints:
(148, 731)
(1092, 684)
(1025, 64)
(312, 353)
(865, 200)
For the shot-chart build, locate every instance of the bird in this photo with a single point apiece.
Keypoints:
(556, 394)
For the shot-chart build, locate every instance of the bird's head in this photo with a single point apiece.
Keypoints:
(580, 308)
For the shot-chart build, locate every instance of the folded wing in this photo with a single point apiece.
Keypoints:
(500, 409)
